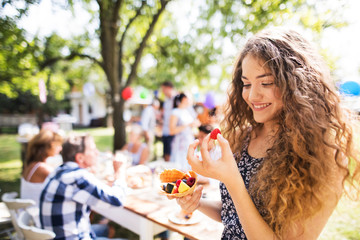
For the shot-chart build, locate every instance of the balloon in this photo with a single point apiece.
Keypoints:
(209, 100)
(350, 88)
(143, 94)
(127, 93)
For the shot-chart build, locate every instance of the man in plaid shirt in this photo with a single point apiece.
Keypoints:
(71, 191)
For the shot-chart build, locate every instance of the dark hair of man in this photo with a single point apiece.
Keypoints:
(72, 146)
(168, 84)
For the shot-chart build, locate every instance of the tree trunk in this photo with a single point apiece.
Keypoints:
(111, 51)
(119, 125)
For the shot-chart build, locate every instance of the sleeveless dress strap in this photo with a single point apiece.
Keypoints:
(32, 171)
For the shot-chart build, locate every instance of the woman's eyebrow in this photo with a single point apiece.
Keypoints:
(260, 76)
(264, 75)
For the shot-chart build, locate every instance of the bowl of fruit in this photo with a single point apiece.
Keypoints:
(176, 183)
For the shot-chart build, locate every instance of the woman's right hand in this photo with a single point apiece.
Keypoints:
(191, 202)
(223, 169)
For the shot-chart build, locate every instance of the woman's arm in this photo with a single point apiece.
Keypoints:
(174, 129)
(225, 170)
(144, 156)
(193, 202)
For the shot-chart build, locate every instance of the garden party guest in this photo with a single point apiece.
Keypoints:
(43, 145)
(71, 191)
(181, 123)
(286, 144)
(136, 147)
(169, 91)
(148, 123)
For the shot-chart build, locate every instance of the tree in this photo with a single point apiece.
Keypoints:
(125, 27)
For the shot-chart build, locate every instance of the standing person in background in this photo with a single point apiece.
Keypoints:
(43, 145)
(148, 123)
(71, 191)
(287, 144)
(182, 121)
(168, 89)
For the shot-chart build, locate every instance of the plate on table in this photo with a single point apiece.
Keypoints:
(178, 217)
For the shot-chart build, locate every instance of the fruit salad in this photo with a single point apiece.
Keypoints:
(177, 183)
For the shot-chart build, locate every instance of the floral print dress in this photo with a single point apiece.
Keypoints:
(248, 166)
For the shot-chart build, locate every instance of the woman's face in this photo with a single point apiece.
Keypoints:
(55, 149)
(259, 90)
(184, 102)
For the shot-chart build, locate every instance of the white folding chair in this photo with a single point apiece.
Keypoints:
(15, 205)
(27, 226)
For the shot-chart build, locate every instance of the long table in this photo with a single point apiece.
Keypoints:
(146, 213)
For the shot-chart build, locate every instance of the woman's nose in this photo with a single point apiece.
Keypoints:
(255, 92)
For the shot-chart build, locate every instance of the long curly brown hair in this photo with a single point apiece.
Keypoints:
(297, 169)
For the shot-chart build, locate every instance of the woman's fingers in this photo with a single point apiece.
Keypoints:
(204, 148)
(193, 160)
(224, 144)
(190, 203)
(191, 150)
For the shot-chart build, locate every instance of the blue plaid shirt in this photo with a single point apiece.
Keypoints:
(66, 201)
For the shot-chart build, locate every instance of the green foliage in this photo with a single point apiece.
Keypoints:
(185, 60)
(16, 55)
(25, 102)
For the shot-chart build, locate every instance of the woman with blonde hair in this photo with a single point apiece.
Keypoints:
(43, 145)
(286, 144)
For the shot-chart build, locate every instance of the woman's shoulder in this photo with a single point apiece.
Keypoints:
(37, 172)
(176, 111)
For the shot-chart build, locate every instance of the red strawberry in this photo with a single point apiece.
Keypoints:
(178, 182)
(214, 133)
(176, 190)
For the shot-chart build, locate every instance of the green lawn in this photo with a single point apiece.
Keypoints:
(343, 224)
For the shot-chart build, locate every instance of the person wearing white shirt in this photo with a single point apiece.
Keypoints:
(148, 122)
(169, 91)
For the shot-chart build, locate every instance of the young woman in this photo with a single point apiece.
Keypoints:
(285, 144)
(43, 145)
(181, 123)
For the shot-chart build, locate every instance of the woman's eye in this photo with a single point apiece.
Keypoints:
(246, 85)
(268, 84)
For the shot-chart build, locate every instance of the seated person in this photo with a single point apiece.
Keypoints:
(71, 191)
(43, 145)
(136, 146)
